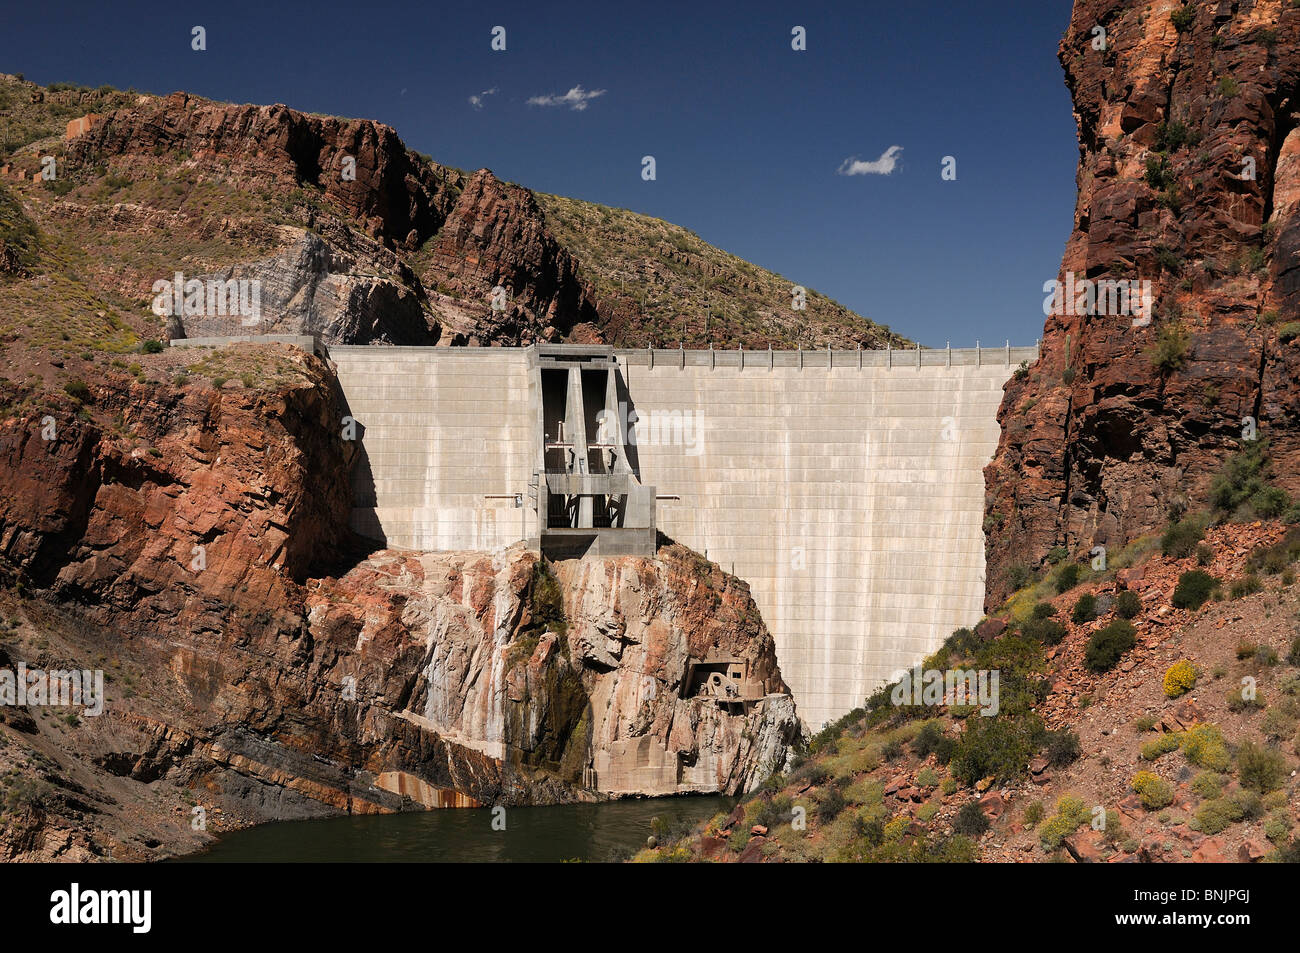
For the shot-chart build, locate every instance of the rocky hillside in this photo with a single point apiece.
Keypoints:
(180, 523)
(354, 237)
(1147, 714)
(1189, 177)
(655, 281)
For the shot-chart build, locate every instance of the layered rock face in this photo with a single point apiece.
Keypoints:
(1189, 177)
(371, 214)
(191, 542)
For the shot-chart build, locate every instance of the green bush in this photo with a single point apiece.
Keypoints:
(1160, 745)
(1244, 480)
(1128, 604)
(1043, 610)
(1193, 589)
(1260, 768)
(1207, 785)
(1067, 576)
(931, 740)
(1171, 350)
(996, 747)
(1047, 631)
(970, 820)
(152, 346)
(1214, 817)
(1061, 748)
(77, 390)
(1180, 538)
(1085, 610)
(1033, 813)
(1107, 646)
(1183, 17)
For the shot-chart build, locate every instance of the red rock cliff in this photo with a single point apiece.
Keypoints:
(1189, 177)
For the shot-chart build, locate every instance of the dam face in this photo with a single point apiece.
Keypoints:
(845, 487)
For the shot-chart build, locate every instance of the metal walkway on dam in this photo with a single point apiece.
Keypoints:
(846, 487)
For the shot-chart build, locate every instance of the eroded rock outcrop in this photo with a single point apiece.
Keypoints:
(191, 542)
(388, 247)
(1187, 178)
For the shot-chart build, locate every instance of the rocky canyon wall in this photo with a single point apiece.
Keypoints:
(1189, 177)
(191, 542)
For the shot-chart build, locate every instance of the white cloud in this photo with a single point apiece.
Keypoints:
(477, 100)
(576, 98)
(883, 166)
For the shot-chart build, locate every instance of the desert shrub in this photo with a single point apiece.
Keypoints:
(1270, 502)
(1033, 813)
(1218, 815)
(931, 740)
(1071, 813)
(1085, 610)
(970, 820)
(1128, 604)
(1154, 791)
(996, 747)
(1107, 646)
(1293, 656)
(152, 346)
(962, 642)
(77, 390)
(1171, 350)
(829, 804)
(1240, 700)
(1193, 589)
(1067, 576)
(1278, 723)
(1245, 586)
(1277, 826)
(1180, 678)
(1244, 475)
(1261, 768)
(1018, 576)
(1061, 748)
(1181, 538)
(812, 772)
(1207, 785)
(1160, 745)
(1043, 610)
(1203, 746)
(927, 778)
(1047, 631)
(1183, 17)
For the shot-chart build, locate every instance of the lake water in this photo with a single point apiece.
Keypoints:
(590, 832)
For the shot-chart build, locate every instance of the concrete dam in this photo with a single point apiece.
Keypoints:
(846, 487)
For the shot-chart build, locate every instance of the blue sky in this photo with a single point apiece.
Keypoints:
(748, 135)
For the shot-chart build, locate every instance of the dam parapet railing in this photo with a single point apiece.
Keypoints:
(740, 358)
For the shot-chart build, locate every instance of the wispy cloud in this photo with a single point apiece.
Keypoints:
(477, 100)
(576, 98)
(883, 166)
